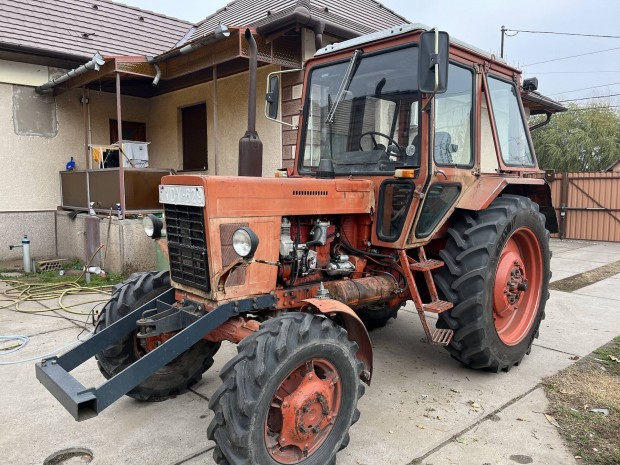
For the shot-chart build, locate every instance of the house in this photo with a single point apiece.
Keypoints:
(77, 76)
(613, 168)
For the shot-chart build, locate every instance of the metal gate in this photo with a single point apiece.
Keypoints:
(587, 205)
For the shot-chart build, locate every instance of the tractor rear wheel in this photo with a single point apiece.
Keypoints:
(174, 378)
(377, 316)
(497, 275)
(289, 396)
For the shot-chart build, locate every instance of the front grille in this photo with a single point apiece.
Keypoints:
(187, 246)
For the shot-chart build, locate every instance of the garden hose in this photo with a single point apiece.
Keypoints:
(21, 291)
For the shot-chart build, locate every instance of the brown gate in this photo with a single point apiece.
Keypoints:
(588, 205)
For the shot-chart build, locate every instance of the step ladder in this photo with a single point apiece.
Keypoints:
(424, 265)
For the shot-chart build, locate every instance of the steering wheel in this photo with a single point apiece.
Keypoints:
(372, 134)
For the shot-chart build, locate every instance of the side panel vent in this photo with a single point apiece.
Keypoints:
(311, 193)
(238, 276)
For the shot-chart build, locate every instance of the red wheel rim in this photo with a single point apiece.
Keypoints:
(303, 411)
(518, 281)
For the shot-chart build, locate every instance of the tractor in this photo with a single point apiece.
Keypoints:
(415, 180)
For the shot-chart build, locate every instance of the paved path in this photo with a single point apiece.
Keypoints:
(419, 402)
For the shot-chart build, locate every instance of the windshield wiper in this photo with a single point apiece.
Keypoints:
(344, 85)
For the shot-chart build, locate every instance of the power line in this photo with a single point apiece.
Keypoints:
(586, 88)
(573, 56)
(576, 72)
(588, 98)
(563, 33)
(594, 108)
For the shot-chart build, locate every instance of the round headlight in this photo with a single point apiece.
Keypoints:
(245, 242)
(152, 226)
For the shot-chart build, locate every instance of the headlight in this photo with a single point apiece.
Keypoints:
(152, 226)
(245, 242)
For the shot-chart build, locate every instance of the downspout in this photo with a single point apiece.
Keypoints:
(94, 64)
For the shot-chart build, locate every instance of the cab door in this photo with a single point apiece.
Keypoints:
(452, 148)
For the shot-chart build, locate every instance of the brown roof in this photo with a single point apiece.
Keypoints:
(541, 104)
(370, 15)
(81, 28)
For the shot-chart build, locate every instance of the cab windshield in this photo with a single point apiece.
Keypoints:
(362, 114)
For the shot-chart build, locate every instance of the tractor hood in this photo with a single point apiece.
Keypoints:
(236, 197)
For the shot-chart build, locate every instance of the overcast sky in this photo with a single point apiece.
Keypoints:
(479, 21)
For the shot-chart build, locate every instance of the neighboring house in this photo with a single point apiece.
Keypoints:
(613, 168)
(181, 87)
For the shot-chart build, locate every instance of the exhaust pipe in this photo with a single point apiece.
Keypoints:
(250, 146)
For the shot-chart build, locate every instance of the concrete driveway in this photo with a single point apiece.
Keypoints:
(421, 405)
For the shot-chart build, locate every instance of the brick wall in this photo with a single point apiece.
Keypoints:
(291, 104)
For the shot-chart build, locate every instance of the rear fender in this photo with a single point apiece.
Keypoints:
(480, 195)
(351, 322)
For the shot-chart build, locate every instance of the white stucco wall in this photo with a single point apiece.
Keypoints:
(164, 126)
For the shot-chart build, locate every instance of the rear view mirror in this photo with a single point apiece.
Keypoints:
(273, 96)
(433, 62)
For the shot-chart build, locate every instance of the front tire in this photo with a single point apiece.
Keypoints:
(170, 380)
(497, 275)
(289, 396)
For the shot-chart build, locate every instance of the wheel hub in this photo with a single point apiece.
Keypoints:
(304, 409)
(516, 292)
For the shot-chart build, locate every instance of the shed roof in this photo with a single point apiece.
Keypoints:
(370, 15)
(541, 104)
(82, 27)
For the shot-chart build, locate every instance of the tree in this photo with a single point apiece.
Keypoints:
(581, 139)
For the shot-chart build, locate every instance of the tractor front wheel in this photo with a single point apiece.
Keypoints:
(497, 275)
(176, 377)
(289, 396)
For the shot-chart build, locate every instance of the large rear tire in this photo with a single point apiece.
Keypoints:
(176, 377)
(289, 396)
(497, 275)
(377, 316)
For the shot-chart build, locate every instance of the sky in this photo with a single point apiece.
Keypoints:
(479, 22)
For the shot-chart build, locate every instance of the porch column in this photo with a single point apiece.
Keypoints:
(121, 160)
(85, 115)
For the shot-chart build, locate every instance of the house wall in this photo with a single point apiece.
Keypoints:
(38, 135)
(164, 126)
(30, 192)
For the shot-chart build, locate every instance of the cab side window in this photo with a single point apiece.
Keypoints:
(510, 124)
(453, 119)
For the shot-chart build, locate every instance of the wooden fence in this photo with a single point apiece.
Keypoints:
(587, 205)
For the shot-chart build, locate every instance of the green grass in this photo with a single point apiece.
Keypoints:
(73, 270)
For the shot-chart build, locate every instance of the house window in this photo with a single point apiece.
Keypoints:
(194, 137)
(131, 131)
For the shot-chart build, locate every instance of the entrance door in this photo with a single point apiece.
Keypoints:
(194, 134)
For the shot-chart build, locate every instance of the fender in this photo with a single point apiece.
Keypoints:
(352, 323)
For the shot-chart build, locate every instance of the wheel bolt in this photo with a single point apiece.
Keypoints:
(305, 409)
(310, 376)
(284, 404)
(315, 430)
(303, 429)
(282, 440)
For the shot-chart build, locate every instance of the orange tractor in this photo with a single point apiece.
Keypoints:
(411, 184)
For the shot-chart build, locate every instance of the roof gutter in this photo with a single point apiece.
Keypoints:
(94, 64)
(301, 14)
(220, 32)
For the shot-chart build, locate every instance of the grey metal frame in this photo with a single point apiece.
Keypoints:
(84, 403)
